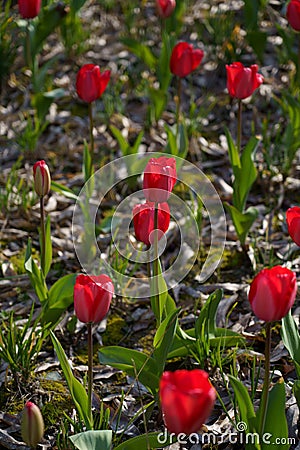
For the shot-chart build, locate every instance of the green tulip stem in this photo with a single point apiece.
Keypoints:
(92, 142)
(266, 386)
(28, 56)
(178, 105)
(43, 234)
(90, 370)
(239, 126)
(155, 262)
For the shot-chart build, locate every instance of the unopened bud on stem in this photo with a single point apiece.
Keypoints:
(42, 178)
(32, 425)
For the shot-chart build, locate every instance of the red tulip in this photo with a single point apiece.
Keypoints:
(165, 7)
(92, 297)
(159, 178)
(32, 425)
(185, 59)
(186, 398)
(91, 83)
(143, 221)
(242, 81)
(29, 9)
(293, 14)
(42, 178)
(272, 293)
(293, 223)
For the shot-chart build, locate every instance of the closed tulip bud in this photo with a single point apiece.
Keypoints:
(159, 179)
(293, 223)
(92, 297)
(272, 293)
(293, 14)
(29, 9)
(242, 81)
(185, 59)
(165, 7)
(143, 221)
(91, 83)
(42, 178)
(32, 425)
(187, 398)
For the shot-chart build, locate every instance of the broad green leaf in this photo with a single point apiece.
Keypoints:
(150, 440)
(35, 274)
(291, 339)
(244, 402)
(164, 74)
(49, 18)
(233, 153)
(226, 338)
(121, 140)
(184, 343)
(48, 246)
(76, 5)
(258, 40)
(76, 389)
(163, 339)
(158, 103)
(39, 78)
(158, 290)
(92, 440)
(64, 190)
(242, 221)
(276, 423)
(61, 296)
(207, 317)
(142, 51)
(134, 363)
(178, 143)
(296, 391)
(245, 175)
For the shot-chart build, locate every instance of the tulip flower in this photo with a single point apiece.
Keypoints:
(293, 14)
(185, 59)
(272, 293)
(187, 398)
(159, 179)
(143, 221)
(293, 223)
(242, 81)
(29, 9)
(91, 83)
(165, 7)
(32, 425)
(42, 178)
(92, 297)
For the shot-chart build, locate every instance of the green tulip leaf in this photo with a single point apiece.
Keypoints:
(92, 440)
(136, 364)
(150, 440)
(242, 221)
(36, 276)
(142, 51)
(246, 410)
(291, 339)
(76, 388)
(163, 339)
(63, 190)
(206, 322)
(276, 424)
(61, 296)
